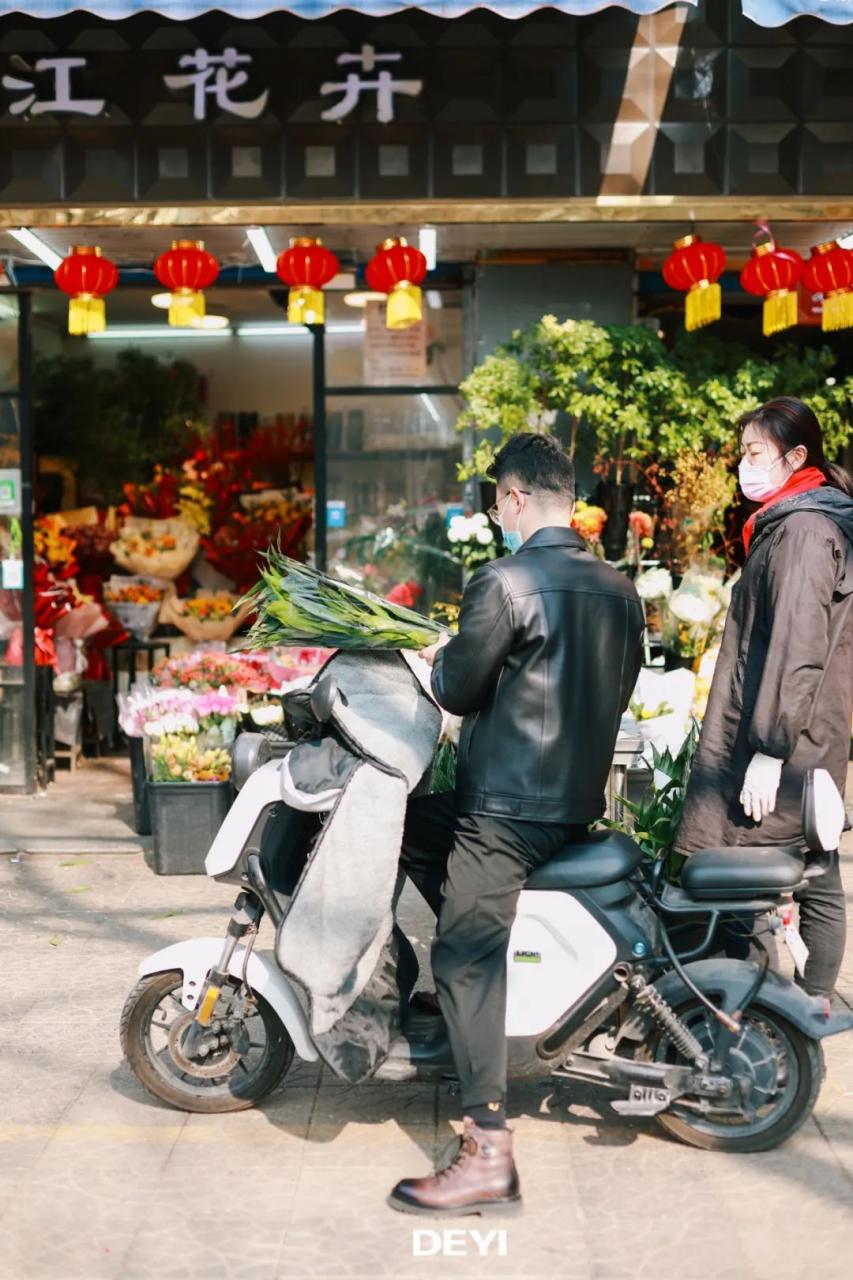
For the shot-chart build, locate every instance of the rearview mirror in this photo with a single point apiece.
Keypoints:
(324, 695)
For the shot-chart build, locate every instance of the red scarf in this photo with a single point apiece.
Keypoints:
(800, 482)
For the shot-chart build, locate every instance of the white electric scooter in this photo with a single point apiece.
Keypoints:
(724, 1053)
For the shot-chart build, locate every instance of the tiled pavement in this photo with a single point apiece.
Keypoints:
(97, 1182)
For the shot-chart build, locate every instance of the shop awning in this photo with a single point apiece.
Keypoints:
(181, 10)
(766, 13)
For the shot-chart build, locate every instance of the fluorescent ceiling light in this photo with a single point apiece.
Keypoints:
(31, 241)
(361, 297)
(434, 299)
(162, 300)
(428, 245)
(260, 242)
(292, 330)
(155, 332)
(210, 322)
(430, 407)
(845, 241)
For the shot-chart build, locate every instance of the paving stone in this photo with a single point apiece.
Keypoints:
(98, 1181)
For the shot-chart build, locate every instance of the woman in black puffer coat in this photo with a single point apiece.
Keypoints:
(781, 700)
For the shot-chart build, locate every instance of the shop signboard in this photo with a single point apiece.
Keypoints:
(147, 111)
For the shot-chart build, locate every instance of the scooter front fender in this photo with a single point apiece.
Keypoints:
(196, 957)
(730, 982)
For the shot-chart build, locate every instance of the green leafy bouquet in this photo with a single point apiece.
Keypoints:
(297, 605)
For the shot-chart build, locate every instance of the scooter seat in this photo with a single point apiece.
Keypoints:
(601, 857)
(748, 872)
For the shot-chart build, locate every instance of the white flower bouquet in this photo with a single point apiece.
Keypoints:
(471, 540)
(695, 613)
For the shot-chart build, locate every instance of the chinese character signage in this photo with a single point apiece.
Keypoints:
(50, 90)
(221, 79)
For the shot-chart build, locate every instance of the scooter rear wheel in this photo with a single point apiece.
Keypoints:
(780, 1069)
(153, 1026)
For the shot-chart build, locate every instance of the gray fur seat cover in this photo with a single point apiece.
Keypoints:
(335, 940)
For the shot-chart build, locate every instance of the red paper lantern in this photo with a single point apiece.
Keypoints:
(694, 268)
(397, 268)
(186, 270)
(86, 276)
(305, 267)
(773, 273)
(829, 271)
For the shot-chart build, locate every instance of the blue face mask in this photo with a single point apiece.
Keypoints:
(512, 537)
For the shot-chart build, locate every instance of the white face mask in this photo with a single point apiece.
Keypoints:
(757, 483)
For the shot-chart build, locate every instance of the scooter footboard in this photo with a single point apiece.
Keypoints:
(196, 957)
(729, 983)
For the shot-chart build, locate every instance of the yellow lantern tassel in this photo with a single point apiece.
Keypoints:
(86, 314)
(185, 306)
(837, 310)
(404, 306)
(306, 305)
(779, 311)
(704, 305)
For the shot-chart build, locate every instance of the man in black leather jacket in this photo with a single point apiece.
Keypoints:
(546, 658)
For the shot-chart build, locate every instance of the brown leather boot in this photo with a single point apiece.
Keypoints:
(481, 1179)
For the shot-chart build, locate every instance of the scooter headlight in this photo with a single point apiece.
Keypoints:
(250, 752)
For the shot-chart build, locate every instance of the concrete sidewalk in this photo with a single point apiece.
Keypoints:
(88, 811)
(99, 1182)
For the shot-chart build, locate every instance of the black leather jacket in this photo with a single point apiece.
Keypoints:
(547, 656)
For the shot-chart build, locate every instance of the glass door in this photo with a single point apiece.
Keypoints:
(17, 631)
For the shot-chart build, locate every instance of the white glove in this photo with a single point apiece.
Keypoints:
(760, 785)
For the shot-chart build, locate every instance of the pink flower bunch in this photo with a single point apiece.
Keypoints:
(290, 664)
(217, 704)
(148, 711)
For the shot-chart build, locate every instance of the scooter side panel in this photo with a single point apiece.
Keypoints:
(262, 788)
(557, 952)
(197, 956)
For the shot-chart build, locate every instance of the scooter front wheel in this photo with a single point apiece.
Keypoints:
(777, 1072)
(236, 1065)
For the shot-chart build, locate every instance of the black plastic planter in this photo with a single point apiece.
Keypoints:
(185, 817)
(141, 808)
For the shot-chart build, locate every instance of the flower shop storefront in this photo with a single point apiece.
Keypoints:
(305, 309)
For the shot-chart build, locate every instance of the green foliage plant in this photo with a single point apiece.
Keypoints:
(633, 400)
(116, 421)
(653, 821)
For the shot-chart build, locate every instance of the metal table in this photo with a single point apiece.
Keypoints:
(629, 745)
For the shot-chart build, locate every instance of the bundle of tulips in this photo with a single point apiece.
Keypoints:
(298, 606)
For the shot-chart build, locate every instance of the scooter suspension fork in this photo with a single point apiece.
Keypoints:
(244, 919)
(648, 998)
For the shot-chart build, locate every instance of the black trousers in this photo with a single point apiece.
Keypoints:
(470, 868)
(823, 925)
